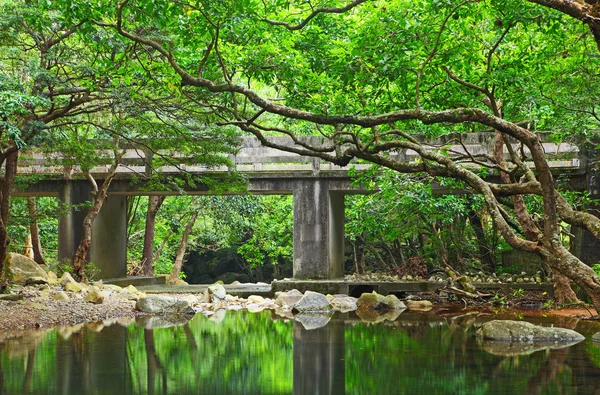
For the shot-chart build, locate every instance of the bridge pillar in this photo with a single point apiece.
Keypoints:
(109, 232)
(584, 245)
(318, 231)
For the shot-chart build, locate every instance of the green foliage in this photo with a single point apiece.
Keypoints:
(596, 268)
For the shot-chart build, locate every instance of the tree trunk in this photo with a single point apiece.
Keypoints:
(162, 245)
(562, 289)
(182, 247)
(10, 172)
(154, 203)
(36, 243)
(485, 252)
(561, 260)
(86, 239)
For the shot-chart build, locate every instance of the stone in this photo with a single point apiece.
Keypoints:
(11, 297)
(95, 297)
(313, 321)
(20, 268)
(99, 284)
(52, 278)
(523, 331)
(313, 302)
(394, 303)
(65, 279)
(256, 299)
(511, 349)
(112, 287)
(343, 303)
(218, 316)
(161, 322)
(289, 298)
(370, 301)
(205, 298)
(72, 287)
(236, 282)
(131, 288)
(254, 307)
(596, 337)
(419, 305)
(375, 301)
(36, 280)
(155, 304)
(61, 296)
(217, 291)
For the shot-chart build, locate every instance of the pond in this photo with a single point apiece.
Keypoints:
(241, 352)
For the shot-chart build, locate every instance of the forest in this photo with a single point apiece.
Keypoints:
(374, 79)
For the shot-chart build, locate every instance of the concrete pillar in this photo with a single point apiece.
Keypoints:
(109, 238)
(584, 245)
(319, 356)
(109, 232)
(318, 231)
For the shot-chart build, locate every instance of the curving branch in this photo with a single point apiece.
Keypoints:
(324, 10)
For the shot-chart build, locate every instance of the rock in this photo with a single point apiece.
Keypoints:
(20, 268)
(131, 288)
(205, 298)
(374, 316)
(163, 305)
(217, 290)
(343, 303)
(61, 296)
(36, 280)
(289, 298)
(11, 297)
(375, 301)
(112, 287)
(99, 284)
(394, 303)
(154, 322)
(254, 307)
(66, 278)
(372, 301)
(507, 330)
(313, 302)
(236, 282)
(52, 278)
(218, 316)
(313, 321)
(596, 337)
(95, 297)
(94, 326)
(72, 287)
(511, 349)
(256, 299)
(419, 305)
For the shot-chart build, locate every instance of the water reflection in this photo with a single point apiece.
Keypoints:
(254, 353)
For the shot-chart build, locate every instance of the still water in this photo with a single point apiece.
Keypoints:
(244, 353)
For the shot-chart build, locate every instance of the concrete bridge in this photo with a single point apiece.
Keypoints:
(318, 188)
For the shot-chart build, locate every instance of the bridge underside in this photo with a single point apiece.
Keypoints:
(318, 220)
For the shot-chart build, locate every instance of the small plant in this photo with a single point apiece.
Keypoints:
(66, 266)
(499, 299)
(517, 293)
(596, 268)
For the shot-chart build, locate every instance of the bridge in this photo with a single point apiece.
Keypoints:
(318, 188)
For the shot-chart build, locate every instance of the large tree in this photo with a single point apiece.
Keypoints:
(369, 75)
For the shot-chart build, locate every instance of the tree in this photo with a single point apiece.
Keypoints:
(369, 76)
(154, 203)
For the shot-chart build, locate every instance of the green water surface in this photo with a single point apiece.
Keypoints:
(244, 353)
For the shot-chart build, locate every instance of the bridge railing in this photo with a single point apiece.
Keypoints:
(252, 157)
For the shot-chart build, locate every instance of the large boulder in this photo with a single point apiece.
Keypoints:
(163, 305)
(343, 303)
(375, 301)
(522, 331)
(289, 298)
(313, 321)
(217, 291)
(313, 302)
(596, 337)
(19, 268)
(511, 349)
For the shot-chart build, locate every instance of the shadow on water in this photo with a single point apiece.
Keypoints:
(260, 354)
